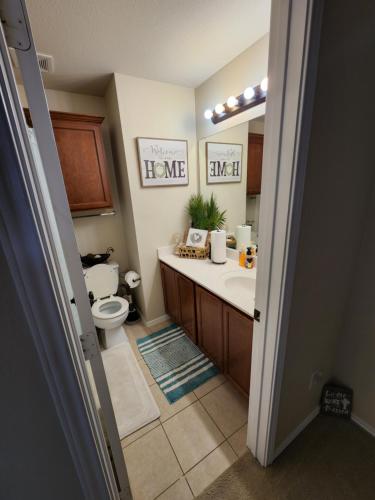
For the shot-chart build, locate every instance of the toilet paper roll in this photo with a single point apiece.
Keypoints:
(218, 246)
(243, 236)
(132, 279)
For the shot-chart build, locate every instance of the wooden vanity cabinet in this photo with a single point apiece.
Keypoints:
(186, 296)
(170, 288)
(222, 332)
(238, 341)
(82, 157)
(254, 163)
(210, 325)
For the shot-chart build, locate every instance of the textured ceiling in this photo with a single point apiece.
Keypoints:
(176, 41)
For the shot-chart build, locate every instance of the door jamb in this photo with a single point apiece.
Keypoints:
(293, 54)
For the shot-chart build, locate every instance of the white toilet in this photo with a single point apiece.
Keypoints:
(109, 312)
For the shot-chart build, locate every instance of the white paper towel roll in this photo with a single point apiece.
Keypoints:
(243, 236)
(218, 246)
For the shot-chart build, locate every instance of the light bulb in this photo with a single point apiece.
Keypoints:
(208, 114)
(249, 93)
(264, 84)
(232, 101)
(219, 108)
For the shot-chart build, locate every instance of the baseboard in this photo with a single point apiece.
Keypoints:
(292, 436)
(367, 427)
(153, 322)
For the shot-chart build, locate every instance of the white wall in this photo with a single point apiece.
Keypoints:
(354, 363)
(231, 196)
(338, 188)
(249, 68)
(149, 108)
(94, 234)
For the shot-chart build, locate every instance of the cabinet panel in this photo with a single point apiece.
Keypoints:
(170, 289)
(185, 288)
(254, 163)
(210, 325)
(82, 157)
(238, 335)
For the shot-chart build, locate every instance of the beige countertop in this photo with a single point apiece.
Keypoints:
(224, 280)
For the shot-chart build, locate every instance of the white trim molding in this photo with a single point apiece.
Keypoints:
(294, 42)
(361, 423)
(155, 321)
(292, 436)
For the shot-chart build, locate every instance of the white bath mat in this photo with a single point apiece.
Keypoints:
(132, 401)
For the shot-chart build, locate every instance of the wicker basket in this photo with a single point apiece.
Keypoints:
(186, 252)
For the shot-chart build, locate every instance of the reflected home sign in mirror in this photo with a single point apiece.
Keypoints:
(224, 162)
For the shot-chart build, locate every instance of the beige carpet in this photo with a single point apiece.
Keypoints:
(332, 459)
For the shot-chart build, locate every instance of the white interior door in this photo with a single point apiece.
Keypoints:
(47, 196)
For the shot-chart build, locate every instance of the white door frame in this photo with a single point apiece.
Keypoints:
(293, 53)
(61, 259)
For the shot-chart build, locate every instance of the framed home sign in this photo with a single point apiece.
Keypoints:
(224, 162)
(163, 162)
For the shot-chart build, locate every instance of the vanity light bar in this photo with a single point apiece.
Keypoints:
(252, 96)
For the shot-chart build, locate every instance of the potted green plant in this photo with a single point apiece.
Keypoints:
(205, 214)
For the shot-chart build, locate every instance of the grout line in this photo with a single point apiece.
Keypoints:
(161, 422)
(231, 447)
(199, 461)
(187, 482)
(246, 423)
(170, 444)
(211, 418)
(156, 426)
(216, 387)
(166, 489)
(203, 458)
(179, 411)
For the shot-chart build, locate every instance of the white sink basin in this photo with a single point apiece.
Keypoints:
(239, 281)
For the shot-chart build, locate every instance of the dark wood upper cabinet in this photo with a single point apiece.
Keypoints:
(82, 158)
(171, 296)
(254, 163)
(238, 341)
(186, 295)
(210, 325)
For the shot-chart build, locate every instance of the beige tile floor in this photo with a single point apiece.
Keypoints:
(194, 441)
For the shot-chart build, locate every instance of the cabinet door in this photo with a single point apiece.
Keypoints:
(81, 152)
(210, 325)
(254, 163)
(171, 299)
(186, 296)
(238, 335)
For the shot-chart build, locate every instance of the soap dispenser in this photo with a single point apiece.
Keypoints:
(242, 256)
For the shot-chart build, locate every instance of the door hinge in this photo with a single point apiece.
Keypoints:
(13, 20)
(257, 315)
(89, 345)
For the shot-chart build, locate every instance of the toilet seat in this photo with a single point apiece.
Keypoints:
(110, 307)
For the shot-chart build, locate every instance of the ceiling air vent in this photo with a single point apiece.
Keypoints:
(45, 63)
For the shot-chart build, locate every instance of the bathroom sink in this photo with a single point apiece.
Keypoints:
(240, 281)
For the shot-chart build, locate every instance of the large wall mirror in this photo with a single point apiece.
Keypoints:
(230, 167)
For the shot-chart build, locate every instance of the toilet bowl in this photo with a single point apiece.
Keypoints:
(109, 311)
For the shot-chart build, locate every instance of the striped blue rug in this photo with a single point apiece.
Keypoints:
(175, 362)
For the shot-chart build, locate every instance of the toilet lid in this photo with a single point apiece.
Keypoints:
(101, 280)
